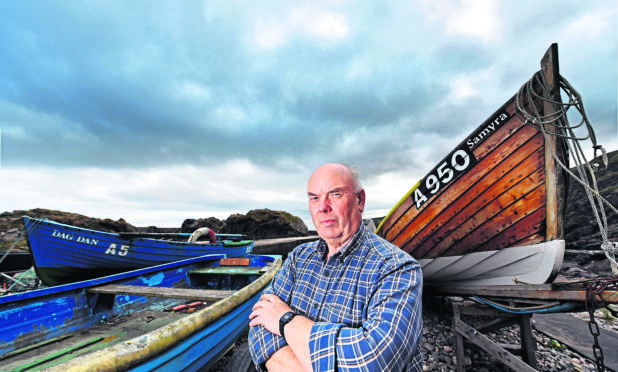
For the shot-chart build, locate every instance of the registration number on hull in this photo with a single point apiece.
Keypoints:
(458, 162)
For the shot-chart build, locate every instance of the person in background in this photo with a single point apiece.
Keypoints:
(348, 301)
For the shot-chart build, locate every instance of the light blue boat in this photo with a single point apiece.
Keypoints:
(177, 316)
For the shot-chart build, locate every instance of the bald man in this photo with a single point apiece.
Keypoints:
(349, 301)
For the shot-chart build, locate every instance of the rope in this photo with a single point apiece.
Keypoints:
(22, 233)
(528, 101)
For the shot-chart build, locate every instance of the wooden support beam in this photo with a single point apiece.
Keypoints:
(180, 293)
(554, 179)
(490, 347)
(472, 335)
(528, 344)
(575, 292)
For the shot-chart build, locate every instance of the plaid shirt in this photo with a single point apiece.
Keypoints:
(365, 302)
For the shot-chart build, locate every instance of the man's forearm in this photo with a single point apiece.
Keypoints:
(283, 360)
(297, 334)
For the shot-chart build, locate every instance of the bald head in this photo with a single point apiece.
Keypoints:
(336, 203)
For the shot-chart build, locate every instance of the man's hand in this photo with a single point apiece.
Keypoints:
(267, 312)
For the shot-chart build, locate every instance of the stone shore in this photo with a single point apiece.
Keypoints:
(438, 346)
(439, 354)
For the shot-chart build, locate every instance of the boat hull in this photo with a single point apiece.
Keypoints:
(498, 189)
(535, 263)
(64, 254)
(15, 262)
(48, 328)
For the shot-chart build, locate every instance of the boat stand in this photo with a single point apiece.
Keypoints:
(556, 297)
(507, 354)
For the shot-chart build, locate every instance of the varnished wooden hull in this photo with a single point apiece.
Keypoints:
(498, 189)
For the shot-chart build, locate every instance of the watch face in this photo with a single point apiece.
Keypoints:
(286, 317)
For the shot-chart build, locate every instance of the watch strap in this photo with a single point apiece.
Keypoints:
(285, 319)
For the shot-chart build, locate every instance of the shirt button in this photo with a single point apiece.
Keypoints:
(326, 273)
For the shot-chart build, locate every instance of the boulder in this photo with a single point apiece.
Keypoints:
(265, 224)
(190, 225)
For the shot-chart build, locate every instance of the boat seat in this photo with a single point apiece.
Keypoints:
(232, 266)
(166, 292)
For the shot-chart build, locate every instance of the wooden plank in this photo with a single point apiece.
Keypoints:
(490, 347)
(230, 270)
(528, 343)
(503, 188)
(528, 227)
(165, 292)
(235, 261)
(473, 179)
(501, 221)
(480, 228)
(554, 185)
(576, 334)
(505, 131)
(553, 292)
(58, 354)
(35, 346)
(405, 211)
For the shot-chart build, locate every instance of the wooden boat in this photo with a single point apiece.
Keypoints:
(180, 316)
(64, 254)
(491, 211)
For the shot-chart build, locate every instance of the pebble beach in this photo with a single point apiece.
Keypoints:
(439, 354)
(438, 345)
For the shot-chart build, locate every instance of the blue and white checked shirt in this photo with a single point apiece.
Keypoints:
(366, 302)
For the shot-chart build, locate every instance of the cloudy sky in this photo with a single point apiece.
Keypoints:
(157, 111)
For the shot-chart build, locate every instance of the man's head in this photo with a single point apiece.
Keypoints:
(336, 203)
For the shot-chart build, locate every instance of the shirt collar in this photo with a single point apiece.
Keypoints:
(345, 250)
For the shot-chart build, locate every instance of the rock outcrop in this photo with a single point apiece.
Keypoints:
(265, 224)
(256, 224)
(11, 223)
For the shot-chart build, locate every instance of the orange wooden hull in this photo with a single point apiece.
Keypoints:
(499, 188)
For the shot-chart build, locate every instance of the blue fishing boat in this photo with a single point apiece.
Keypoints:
(177, 316)
(64, 254)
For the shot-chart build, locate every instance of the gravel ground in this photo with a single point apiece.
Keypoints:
(438, 345)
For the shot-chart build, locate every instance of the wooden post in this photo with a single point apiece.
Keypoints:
(554, 180)
(528, 344)
(459, 345)
(474, 336)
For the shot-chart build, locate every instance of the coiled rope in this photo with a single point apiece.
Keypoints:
(529, 98)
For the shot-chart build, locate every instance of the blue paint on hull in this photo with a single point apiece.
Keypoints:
(32, 317)
(204, 348)
(64, 254)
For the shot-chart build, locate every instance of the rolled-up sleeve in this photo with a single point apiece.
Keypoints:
(389, 335)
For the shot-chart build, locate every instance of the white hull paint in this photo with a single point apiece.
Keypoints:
(530, 264)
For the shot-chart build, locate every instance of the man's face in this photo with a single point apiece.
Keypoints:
(335, 208)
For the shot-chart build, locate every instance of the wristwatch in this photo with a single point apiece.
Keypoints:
(285, 319)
